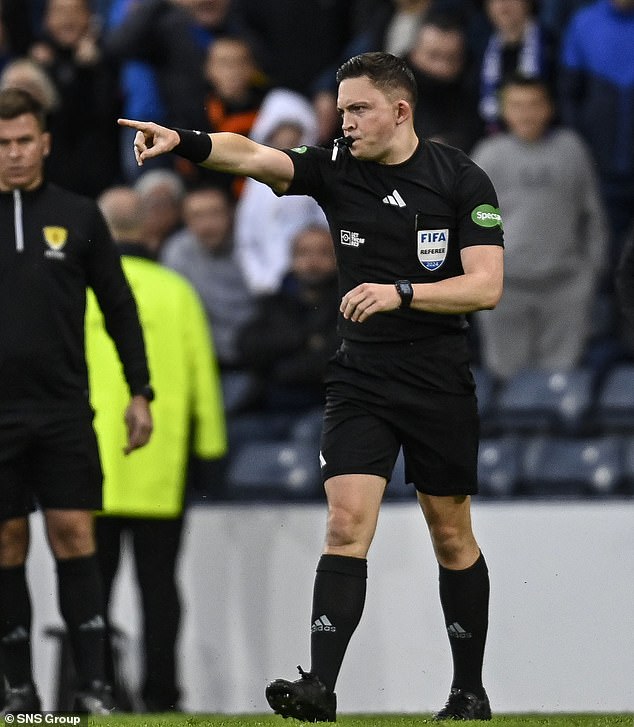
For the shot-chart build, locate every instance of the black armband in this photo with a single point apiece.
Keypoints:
(194, 145)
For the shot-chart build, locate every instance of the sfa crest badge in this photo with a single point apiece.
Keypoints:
(432, 247)
(56, 238)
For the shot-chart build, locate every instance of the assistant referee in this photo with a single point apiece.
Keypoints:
(418, 239)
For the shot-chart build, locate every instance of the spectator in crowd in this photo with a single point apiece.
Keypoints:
(398, 30)
(518, 43)
(235, 92)
(396, 23)
(29, 76)
(204, 253)
(85, 155)
(161, 192)
(294, 43)
(139, 89)
(554, 233)
(55, 245)
(173, 37)
(555, 15)
(447, 110)
(16, 29)
(293, 335)
(298, 45)
(144, 493)
(596, 81)
(266, 223)
(236, 88)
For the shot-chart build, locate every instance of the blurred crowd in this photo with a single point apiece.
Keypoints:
(540, 94)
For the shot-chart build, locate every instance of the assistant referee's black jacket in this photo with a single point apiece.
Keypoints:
(53, 245)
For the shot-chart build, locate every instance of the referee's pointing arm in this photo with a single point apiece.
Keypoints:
(224, 152)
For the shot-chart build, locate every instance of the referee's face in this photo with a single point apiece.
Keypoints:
(369, 118)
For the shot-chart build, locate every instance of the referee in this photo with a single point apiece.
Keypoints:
(418, 241)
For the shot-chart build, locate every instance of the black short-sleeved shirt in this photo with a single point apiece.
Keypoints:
(403, 221)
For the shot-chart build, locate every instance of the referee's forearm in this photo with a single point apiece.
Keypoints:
(240, 155)
(230, 153)
(462, 294)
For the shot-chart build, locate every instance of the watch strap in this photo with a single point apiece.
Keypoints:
(406, 291)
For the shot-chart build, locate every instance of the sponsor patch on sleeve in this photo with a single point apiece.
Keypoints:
(487, 215)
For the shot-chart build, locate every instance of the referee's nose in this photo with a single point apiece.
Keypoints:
(347, 122)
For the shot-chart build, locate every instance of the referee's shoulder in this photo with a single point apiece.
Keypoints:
(449, 162)
(447, 152)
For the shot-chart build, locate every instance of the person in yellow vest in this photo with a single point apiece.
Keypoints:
(144, 495)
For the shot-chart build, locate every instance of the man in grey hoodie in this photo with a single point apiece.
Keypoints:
(554, 231)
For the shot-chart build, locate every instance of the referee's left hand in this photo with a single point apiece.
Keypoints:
(138, 419)
(367, 299)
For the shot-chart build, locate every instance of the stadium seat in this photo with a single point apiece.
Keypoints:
(275, 470)
(628, 465)
(259, 426)
(239, 390)
(615, 399)
(560, 466)
(499, 465)
(306, 427)
(540, 401)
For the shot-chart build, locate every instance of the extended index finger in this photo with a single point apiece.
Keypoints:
(134, 124)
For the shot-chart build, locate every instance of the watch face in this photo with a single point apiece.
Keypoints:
(405, 290)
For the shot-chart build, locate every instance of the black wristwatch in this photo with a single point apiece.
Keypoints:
(147, 392)
(405, 290)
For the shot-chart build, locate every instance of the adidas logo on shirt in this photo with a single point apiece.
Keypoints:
(456, 631)
(394, 199)
(322, 624)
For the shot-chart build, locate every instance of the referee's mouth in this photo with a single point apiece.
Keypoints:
(345, 141)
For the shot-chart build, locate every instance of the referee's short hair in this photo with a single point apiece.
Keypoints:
(15, 102)
(386, 71)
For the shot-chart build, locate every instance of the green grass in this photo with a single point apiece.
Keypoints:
(369, 720)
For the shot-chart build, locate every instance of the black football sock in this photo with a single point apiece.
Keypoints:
(15, 626)
(464, 595)
(82, 608)
(338, 600)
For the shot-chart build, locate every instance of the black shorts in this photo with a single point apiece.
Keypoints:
(418, 396)
(48, 457)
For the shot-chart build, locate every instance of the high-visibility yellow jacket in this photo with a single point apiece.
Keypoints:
(188, 410)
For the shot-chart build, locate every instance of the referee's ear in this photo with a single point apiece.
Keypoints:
(403, 111)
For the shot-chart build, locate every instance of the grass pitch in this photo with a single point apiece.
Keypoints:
(363, 720)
